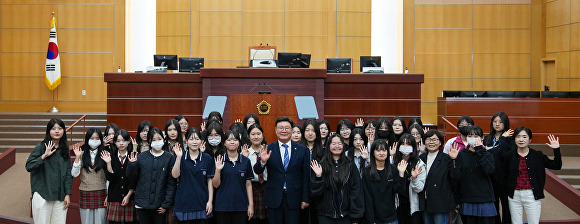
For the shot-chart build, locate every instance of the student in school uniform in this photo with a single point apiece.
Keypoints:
(214, 139)
(173, 136)
(193, 168)
(108, 135)
(256, 135)
(183, 124)
(90, 164)
(141, 138)
(408, 210)
(324, 129)
(250, 119)
(311, 139)
(49, 166)
(155, 188)
(234, 203)
(120, 200)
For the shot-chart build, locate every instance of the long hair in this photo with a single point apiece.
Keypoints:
(506, 126)
(217, 127)
(413, 157)
(140, 129)
(418, 128)
(62, 143)
(352, 148)
(332, 178)
(323, 140)
(387, 123)
(152, 132)
(247, 117)
(86, 157)
(400, 119)
(379, 144)
(317, 148)
(241, 129)
(215, 115)
(179, 139)
(109, 127)
(415, 120)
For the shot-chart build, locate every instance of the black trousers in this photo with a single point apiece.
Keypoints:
(309, 215)
(231, 217)
(327, 220)
(468, 219)
(404, 216)
(506, 217)
(283, 214)
(150, 216)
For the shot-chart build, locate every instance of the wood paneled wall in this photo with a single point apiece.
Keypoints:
(469, 45)
(91, 38)
(222, 30)
(563, 42)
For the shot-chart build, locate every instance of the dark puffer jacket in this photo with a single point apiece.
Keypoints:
(155, 186)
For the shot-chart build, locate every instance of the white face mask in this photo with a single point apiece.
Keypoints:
(471, 141)
(94, 143)
(214, 141)
(406, 149)
(157, 145)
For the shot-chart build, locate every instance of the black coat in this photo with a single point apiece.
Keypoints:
(536, 162)
(437, 196)
(119, 184)
(473, 171)
(155, 186)
(352, 204)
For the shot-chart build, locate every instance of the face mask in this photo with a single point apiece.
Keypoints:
(214, 141)
(383, 134)
(406, 150)
(471, 141)
(463, 130)
(94, 143)
(157, 145)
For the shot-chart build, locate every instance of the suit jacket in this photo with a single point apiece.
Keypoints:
(296, 176)
(437, 196)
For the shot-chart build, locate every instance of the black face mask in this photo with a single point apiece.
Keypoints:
(463, 130)
(383, 134)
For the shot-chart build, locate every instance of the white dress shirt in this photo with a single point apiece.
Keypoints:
(253, 156)
(76, 169)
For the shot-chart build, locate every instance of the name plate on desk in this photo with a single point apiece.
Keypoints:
(256, 63)
(373, 70)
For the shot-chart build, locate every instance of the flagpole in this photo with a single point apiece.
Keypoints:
(53, 109)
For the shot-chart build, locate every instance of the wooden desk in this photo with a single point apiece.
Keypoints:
(134, 97)
(544, 116)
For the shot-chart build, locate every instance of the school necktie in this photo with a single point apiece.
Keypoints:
(122, 159)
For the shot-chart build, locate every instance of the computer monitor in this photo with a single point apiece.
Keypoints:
(451, 93)
(574, 94)
(500, 94)
(305, 60)
(289, 60)
(527, 94)
(555, 94)
(338, 65)
(169, 61)
(472, 94)
(370, 61)
(190, 64)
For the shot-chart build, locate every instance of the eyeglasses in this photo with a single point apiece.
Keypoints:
(284, 128)
(432, 140)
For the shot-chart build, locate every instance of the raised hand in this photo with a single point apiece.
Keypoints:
(508, 133)
(265, 155)
(316, 168)
(421, 147)
(478, 142)
(416, 172)
(202, 126)
(554, 142)
(393, 149)
(219, 162)
(402, 166)
(107, 140)
(133, 157)
(202, 147)
(49, 149)
(245, 151)
(425, 129)
(106, 156)
(359, 122)
(371, 137)
(177, 150)
(238, 120)
(364, 153)
(133, 141)
(77, 150)
(454, 151)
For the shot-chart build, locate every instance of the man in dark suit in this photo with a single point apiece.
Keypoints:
(288, 187)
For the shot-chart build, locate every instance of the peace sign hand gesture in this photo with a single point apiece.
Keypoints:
(554, 142)
(316, 168)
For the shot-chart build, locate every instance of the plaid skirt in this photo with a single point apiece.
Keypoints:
(259, 208)
(118, 213)
(92, 199)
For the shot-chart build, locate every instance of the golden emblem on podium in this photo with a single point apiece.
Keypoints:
(263, 107)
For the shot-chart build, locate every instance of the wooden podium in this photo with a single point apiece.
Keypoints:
(279, 105)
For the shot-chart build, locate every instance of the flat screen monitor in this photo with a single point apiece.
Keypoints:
(338, 65)
(190, 64)
(472, 94)
(527, 94)
(305, 60)
(169, 61)
(500, 94)
(574, 94)
(370, 61)
(451, 93)
(555, 94)
(289, 60)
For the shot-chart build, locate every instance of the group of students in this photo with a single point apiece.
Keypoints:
(369, 172)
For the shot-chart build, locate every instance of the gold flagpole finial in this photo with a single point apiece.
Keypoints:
(53, 14)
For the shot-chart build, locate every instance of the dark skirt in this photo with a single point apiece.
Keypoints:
(92, 199)
(118, 213)
(259, 208)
